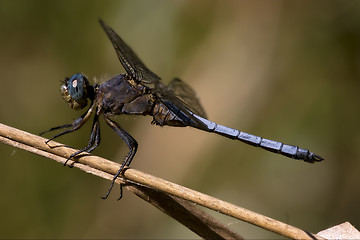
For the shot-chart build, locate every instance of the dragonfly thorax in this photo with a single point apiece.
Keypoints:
(76, 91)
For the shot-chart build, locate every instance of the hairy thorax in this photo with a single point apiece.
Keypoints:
(122, 95)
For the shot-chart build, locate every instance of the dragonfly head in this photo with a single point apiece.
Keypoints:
(76, 91)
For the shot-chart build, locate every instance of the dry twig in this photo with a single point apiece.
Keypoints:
(175, 200)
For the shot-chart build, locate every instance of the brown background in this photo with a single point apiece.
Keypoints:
(284, 70)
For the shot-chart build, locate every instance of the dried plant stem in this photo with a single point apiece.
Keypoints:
(173, 199)
(181, 210)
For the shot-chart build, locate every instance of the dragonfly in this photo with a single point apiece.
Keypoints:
(140, 91)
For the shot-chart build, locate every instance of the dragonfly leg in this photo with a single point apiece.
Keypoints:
(78, 123)
(132, 145)
(56, 128)
(94, 139)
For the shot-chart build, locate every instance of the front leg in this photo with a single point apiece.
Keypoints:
(130, 142)
(94, 139)
(78, 123)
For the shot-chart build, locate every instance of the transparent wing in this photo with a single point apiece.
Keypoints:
(129, 60)
(177, 96)
(187, 96)
(181, 100)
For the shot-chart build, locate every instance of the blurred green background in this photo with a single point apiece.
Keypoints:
(284, 70)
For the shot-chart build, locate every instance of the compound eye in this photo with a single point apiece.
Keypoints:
(76, 87)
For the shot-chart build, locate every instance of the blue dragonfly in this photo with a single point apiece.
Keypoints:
(140, 91)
